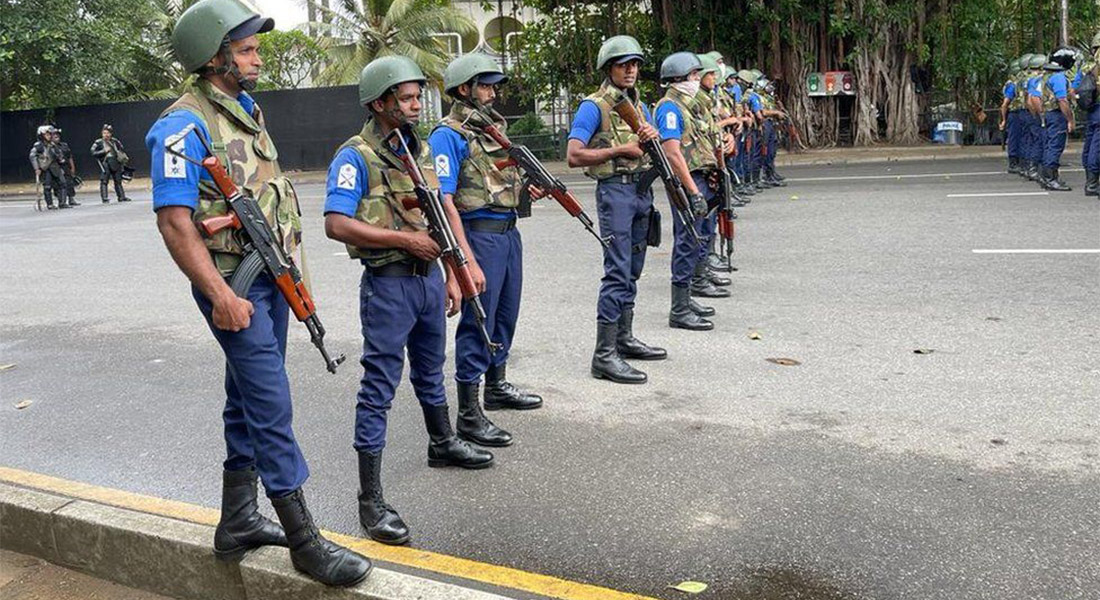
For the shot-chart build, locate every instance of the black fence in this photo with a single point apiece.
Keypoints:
(307, 125)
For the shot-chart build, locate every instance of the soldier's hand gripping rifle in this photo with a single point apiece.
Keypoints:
(439, 227)
(677, 193)
(520, 156)
(263, 252)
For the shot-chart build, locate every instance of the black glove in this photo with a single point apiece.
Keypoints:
(698, 205)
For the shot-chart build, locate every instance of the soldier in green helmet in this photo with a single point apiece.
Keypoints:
(217, 40)
(706, 282)
(371, 206)
(610, 152)
(1031, 81)
(486, 196)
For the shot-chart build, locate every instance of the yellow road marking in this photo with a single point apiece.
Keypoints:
(506, 577)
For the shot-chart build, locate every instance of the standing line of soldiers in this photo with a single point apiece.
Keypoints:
(400, 204)
(55, 169)
(1037, 114)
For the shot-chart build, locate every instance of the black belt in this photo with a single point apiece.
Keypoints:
(415, 268)
(490, 225)
(625, 178)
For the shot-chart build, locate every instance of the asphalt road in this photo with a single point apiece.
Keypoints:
(867, 471)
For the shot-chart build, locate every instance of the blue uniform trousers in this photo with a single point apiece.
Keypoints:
(1090, 153)
(756, 157)
(257, 414)
(1013, 133)
(1056, 126)
(500, 256)
(686, 253)
(623, 213)
(1033, 137)
(398, 313)
(771, 143)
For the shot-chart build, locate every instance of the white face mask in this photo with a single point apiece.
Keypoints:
(689, 88)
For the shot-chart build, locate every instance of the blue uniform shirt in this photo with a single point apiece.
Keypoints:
(1077, 79)
(670, 121)
(735, 91)
(176, 181)
(1035, 86)
(587, 121)
(449, 150)
(1010, 90)
(1059, 85)
(754, 101)
(347, 179)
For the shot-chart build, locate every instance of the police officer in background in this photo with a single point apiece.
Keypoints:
(690, 148)
(65, 154)
(370, 205)
(735, 91)
(772, 114)
(1033, 118)
(755, 108)
(1090, 152)
(486, 197)
(113, 161)
(216, 39)
(48, 168)
(1011, 105)
(611, 153)
(1057, 117)
(706, 108)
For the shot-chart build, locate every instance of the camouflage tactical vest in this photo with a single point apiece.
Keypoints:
(242, 144)
(727, 106)
(614, 132)
(693, 144)
(1017, 101)
(1050, 102)
(389, 201)
(703, 106)
(480, 182)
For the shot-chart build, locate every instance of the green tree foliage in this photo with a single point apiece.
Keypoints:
(355, 32)
(289, 58)
(64, 52)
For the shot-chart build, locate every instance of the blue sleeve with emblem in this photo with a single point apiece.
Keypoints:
(449, 149)
(1010, 90)
(586, 122)
(669, 121)
(1059, 86)
(754, 103)
(176, 181)
(347, 178)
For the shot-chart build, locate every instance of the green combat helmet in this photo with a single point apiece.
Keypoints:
(383, 74)
(621, 49)
(679, 64)
(201, 29)
(746, 76)
(716, 55)
(1014, 65)
(467, 67)
(710, 65)
(1037, 61)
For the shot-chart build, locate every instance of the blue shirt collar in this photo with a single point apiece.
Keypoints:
(246, 101)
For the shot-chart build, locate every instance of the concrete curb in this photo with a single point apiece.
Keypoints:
(171, 557)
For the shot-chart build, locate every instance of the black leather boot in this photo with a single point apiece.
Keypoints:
(703, 288)
(717, 262)
(699, 309)
(774, 179)
(444, 447)
(472, 425)
(629, 346)
(242, 527)
(606, 361)
(381, 521)
(1013, 166)
(1032, 172)
(1054, 182)
(1092, 183)
(715, 279)
(103, 192)
(500, 394)
(73, 202)
(681, 315)
(311, 553)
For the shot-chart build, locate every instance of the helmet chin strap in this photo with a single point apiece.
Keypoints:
(229, 67)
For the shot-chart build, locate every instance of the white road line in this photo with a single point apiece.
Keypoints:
(912, 176)
(1036, 251)
(997, 194)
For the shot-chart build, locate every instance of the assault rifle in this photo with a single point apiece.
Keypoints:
(263, 252)
(520, 156)
(439, 227)
(726, 198)
(677, 193)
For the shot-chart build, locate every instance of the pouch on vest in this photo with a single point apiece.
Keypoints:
(1086, 92)
(523, 209)
(653, 234)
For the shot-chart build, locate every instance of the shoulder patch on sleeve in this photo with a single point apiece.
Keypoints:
(174, 166)
(670, 120)
(443, 165)
(345, 179)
